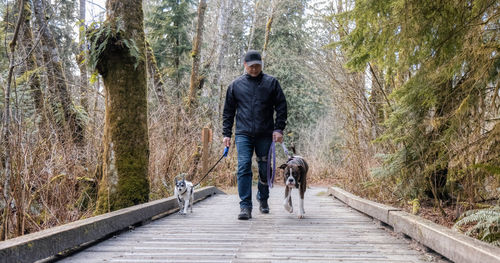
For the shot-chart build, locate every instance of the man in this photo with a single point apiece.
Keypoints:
(253, 97)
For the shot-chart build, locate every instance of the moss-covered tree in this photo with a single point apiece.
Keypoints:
(121, 62)
(57, 82)
(195, 80)
(32, 75)
(81, 57)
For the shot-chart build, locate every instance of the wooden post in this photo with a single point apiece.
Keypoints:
(206, 137)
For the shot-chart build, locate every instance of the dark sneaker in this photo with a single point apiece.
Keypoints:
(264, 207)
(245, 214)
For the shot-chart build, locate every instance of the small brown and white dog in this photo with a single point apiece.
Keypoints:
(295, 175)
(183, 191)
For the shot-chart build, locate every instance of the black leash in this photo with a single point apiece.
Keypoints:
(226, 150)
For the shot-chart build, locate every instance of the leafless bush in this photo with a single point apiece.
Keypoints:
(176, 148)
(48, 177)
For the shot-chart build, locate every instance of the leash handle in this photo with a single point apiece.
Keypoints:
(226, 150)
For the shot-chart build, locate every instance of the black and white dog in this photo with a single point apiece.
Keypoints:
(295, 174)
(184, 193)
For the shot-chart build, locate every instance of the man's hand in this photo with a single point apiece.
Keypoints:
(226, 141)
(277, 137)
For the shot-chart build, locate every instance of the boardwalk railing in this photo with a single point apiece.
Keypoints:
(50, 242)
(449, 243)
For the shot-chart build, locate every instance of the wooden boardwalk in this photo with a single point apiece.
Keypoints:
(331, 232)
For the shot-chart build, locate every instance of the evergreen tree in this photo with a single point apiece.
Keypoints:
(62, 18)
(438, 60)
(287, 59)
(167, 26)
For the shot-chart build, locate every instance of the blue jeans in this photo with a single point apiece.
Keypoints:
(246, 145)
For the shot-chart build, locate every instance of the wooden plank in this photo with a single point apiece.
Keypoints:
(449, 243)
(46, 243)
(331, 232)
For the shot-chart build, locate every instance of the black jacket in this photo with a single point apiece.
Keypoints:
(254, 100)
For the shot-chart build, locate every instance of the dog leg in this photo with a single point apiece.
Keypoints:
(301, 202)
(301, 208)
(287, 203)
(181, 205)
(191, 201)
(186, 206)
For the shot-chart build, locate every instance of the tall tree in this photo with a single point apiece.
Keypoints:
(123, 68)
(221, 50)
(168, 26)
(195, 79)
(6, 125)
(31, 69)
(81, 58)
(72, 125)
(286, 54)
(269, 25)
(253, 25)
(154, 74)
(439, 63)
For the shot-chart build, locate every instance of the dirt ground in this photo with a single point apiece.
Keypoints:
(429, 212)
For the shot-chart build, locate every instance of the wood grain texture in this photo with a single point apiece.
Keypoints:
(331, 232)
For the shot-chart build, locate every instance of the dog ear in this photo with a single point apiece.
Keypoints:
(283, 166)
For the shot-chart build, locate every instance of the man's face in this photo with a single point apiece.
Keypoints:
(253, 70)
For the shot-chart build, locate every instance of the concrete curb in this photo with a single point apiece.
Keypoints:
(50, 242)
(373, 209)
(453, 245)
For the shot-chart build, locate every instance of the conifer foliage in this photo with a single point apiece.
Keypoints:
(439, 64)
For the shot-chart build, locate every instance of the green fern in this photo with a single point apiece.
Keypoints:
(486, 224)
(133, 50)
(99, 37)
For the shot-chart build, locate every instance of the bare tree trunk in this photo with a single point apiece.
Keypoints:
(84, 100)
(252, 26)
(31, 65)
(126, 150)
(222, 37)
(154, 73)
(57, 79)
(177, 59)
(222, 47)
(6, 126)
(195, 54)
(268, 29)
